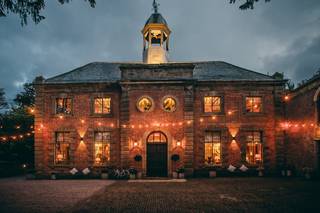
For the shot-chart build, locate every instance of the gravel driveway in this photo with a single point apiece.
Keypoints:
(20, 195)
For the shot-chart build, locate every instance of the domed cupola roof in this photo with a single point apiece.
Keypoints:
(156, 18)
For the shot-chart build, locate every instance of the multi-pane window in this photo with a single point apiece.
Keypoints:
(212, 104)
(62, 148)
(63, 105)
(102, 142)
(212, 148)
(253, 104)
(102, 105)
(254, 148)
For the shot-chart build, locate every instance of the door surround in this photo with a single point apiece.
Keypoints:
(144, 147)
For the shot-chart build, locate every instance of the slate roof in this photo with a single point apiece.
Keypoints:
(203, 71)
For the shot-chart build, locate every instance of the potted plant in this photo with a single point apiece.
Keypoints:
(180, 172)
(31, 174)
(133, 172)
(175, 158)
(307, 173)
(105, 174)
(212, 172)
(260, 170)
(138, 158)
(289, 170)
(53, 176)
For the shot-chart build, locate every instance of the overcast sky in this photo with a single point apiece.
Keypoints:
(283, 36)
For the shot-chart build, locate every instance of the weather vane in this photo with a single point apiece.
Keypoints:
(155, 6)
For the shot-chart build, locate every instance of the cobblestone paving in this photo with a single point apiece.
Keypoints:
(20, 195)
(207, 195)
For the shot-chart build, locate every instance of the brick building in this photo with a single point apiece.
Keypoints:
(301, 130)
(208, 113)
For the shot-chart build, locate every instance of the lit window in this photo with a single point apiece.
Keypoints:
(212, 104)
(169, 104)
(102, 105)
(62, 148)
(253, 104)
(212, 148)
(144, 104)
(102, 148)
(254, 148)
(63, 105)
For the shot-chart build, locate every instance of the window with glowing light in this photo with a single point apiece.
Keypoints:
(212, 104)
(254, 151)
(102, 142)
(212, 148)
(253, 104)
(62, 148)
(102, 105)
(169, 104)
(63, 106)
(144, 104)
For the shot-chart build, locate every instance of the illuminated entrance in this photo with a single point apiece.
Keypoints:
(157, 155)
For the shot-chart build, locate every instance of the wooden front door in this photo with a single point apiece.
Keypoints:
(157, 155)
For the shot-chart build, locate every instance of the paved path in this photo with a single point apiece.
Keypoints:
(207, 195)
(20, 195)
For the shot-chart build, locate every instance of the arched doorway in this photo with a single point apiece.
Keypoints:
(157, 155)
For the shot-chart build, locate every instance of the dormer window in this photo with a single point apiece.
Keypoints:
(63, 106)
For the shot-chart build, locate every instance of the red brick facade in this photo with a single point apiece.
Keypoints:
(302, 137)
(184, 128)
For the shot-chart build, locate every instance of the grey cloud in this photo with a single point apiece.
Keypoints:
(278, 36)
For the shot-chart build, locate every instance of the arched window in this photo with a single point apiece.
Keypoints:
(157, 137)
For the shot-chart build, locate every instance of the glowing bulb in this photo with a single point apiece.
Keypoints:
(82, 121)
(214, 117)
(178, 143)
(201, 120)
(61, 117)
(135, 144)
(99, 124)
(229, 112)
(286, 98)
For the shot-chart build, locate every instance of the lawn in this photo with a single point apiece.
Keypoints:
(194, 195)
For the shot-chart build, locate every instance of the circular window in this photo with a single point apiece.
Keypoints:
(169, 104)
(144, 104)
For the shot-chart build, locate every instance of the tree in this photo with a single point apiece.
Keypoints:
(16, 127)
(248, 4)
(3, 103)
(26, 8)
(26, 97)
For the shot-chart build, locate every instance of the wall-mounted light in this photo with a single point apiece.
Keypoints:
(135, 144)
(233, 140)
(286, 98)
(178, 143)
(81, 140)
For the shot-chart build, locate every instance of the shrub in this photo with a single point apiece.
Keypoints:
(175, 157)
(138, 158)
